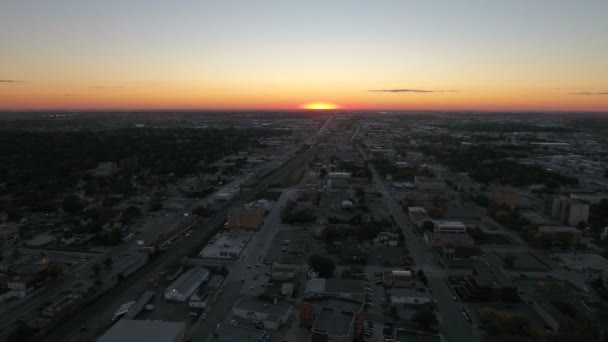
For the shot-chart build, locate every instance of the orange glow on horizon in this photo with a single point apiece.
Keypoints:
(319, 106)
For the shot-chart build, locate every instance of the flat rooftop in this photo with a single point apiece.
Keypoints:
(231, 333)
(259, 306)
(127, 330)
(336, 323)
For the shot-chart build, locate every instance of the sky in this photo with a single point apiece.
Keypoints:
(412, 55)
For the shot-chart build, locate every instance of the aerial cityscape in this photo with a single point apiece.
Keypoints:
(290, 171)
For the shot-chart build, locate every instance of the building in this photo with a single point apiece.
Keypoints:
(9, 233)
(332, 319)
(462, 253)
(343, 288)
(398, 278)
(569, 211)
(559, 234)
(590, 198)
(488, 285)
(184, 286)
(272, 314)
(408, 297)
(505, 197)
(338, 175)
(418, 216)
(433, 239)
(574, 212)
(127, 330)
(283, 271)
(226, 245)
(451, 227)
(429, 184)
(237, 333)
(246, 218)
(388, 239)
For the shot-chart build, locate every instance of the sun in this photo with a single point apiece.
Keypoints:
(319, 106)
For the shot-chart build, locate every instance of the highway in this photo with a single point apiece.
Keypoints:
(96, 317)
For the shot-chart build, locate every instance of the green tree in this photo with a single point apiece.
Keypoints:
(54, 270)
(108, 262)
(422, 276)
(509, 261)
(424, 318)
(156, 203)
(322, 264)
(96, 269)
(72, 204)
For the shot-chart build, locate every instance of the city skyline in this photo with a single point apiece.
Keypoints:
(276, 55)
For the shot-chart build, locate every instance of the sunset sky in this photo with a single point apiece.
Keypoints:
(132, 54)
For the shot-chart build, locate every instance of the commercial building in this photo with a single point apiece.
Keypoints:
(272, 314)
(433, 239)
(488, 285)
(127, 330)
(574, 212)
(232, 333)
(451, 227)
(569, 211)
(246, 218)
(226, 245)
(343, 288)
(398, 278)
(418, 216)
(560, 234)
(505, 197)
(332, 319)
(429, 184)
(186, 284)
(590, 198)
(283, 271)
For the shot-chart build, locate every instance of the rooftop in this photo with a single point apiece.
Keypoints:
(187, 280)
(259, 306)
(336, 323)
(231, 333)
(128, 330)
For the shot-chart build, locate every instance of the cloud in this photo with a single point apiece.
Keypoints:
(590, 93)
(107, 87)
(11, 81)
(411, 91)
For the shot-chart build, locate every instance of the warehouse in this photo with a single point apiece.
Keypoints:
(186, 284)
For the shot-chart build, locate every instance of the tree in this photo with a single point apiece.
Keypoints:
(96, 269)
(323, 265)
(581, 225)
(72, 204)
(24, 332)
(422, 277)
(130, 213)
(156, 204)
(435, 212)
(424, 318)
(108, 262)
(54, 270)
(509, 261)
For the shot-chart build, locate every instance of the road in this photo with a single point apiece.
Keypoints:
(96, 317)
(254, 251)
(452, 324)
